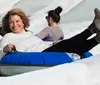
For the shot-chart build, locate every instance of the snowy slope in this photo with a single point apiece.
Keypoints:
(76, 16)
(58, 75)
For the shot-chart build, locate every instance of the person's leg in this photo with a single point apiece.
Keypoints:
(73, 45)
(92, 26)
(79, 43)
(88, 45)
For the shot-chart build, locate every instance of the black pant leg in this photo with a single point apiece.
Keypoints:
(89, 44)
(77, 44)
(82, 36)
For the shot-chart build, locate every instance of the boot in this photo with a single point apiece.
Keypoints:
(97, 24)
(92, 25)
(97, 38)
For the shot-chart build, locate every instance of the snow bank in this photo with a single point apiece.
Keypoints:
(93, 69)
(5, 5)
(66, 74)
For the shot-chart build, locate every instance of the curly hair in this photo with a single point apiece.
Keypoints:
(5, 21)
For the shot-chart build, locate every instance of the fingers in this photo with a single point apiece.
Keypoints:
(9, 48)
(14, 49)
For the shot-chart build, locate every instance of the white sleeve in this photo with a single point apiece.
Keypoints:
(3, 43)
(1, 51)
(2, 54)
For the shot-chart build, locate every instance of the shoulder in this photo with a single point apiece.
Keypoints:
(45, 30)
(8, 35)
(49, 28)
(52, 27)
(6, 38)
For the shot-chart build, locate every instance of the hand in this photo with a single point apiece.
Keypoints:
(9, 48)
(54, 43)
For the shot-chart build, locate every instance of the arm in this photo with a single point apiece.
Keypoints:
(6, 49)
(9, 48)
(4, 46)
(55, 42)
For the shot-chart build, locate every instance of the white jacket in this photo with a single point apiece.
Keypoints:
(24, 42)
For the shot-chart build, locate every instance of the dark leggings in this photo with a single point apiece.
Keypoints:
(77, 44)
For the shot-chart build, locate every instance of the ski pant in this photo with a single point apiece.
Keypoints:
(77, 44)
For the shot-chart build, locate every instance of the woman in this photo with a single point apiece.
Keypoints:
(53, 32)
(4, 29)
(22, 40)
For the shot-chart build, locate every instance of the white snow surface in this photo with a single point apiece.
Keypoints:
(76, 16)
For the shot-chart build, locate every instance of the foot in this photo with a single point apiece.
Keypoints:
(97, 13)
(97, 24)
(97, 38)
(97, 16)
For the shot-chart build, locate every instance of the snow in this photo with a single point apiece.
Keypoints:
(76, 16)
(58, 75)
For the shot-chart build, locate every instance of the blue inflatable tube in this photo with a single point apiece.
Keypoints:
(38, 58)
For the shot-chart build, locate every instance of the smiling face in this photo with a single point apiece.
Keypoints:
(16, 24)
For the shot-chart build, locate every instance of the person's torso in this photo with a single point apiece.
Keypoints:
(25, 42)
(55, 33)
